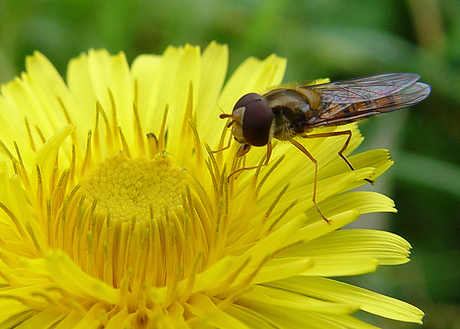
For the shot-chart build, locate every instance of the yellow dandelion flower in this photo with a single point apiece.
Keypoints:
(116, 214)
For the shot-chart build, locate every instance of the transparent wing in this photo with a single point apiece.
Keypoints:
(351, 100)
(364, 88)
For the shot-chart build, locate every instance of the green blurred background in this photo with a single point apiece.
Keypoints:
(323, 38)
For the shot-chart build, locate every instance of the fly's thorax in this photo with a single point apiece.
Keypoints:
(289, 104)
(312, 97)
(284, 132)
(291, 109)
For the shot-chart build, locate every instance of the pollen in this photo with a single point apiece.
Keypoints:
(127, 188)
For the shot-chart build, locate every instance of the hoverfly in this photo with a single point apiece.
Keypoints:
(288, 113)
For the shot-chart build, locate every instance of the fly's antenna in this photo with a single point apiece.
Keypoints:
(225, 116)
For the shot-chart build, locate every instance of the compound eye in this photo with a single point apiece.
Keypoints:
(246, 100)
(257, 119)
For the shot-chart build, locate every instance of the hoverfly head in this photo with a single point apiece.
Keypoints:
(253, 118)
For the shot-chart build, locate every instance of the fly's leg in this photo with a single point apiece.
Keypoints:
(348, 133)
(243, 150)
(315, 162)
(225, 147)
(344, 147)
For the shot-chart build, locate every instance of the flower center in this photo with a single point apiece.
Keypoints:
(129, 189)
(126, 221)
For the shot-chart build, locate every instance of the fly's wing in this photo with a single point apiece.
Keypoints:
(364, 88)
(351, 100)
